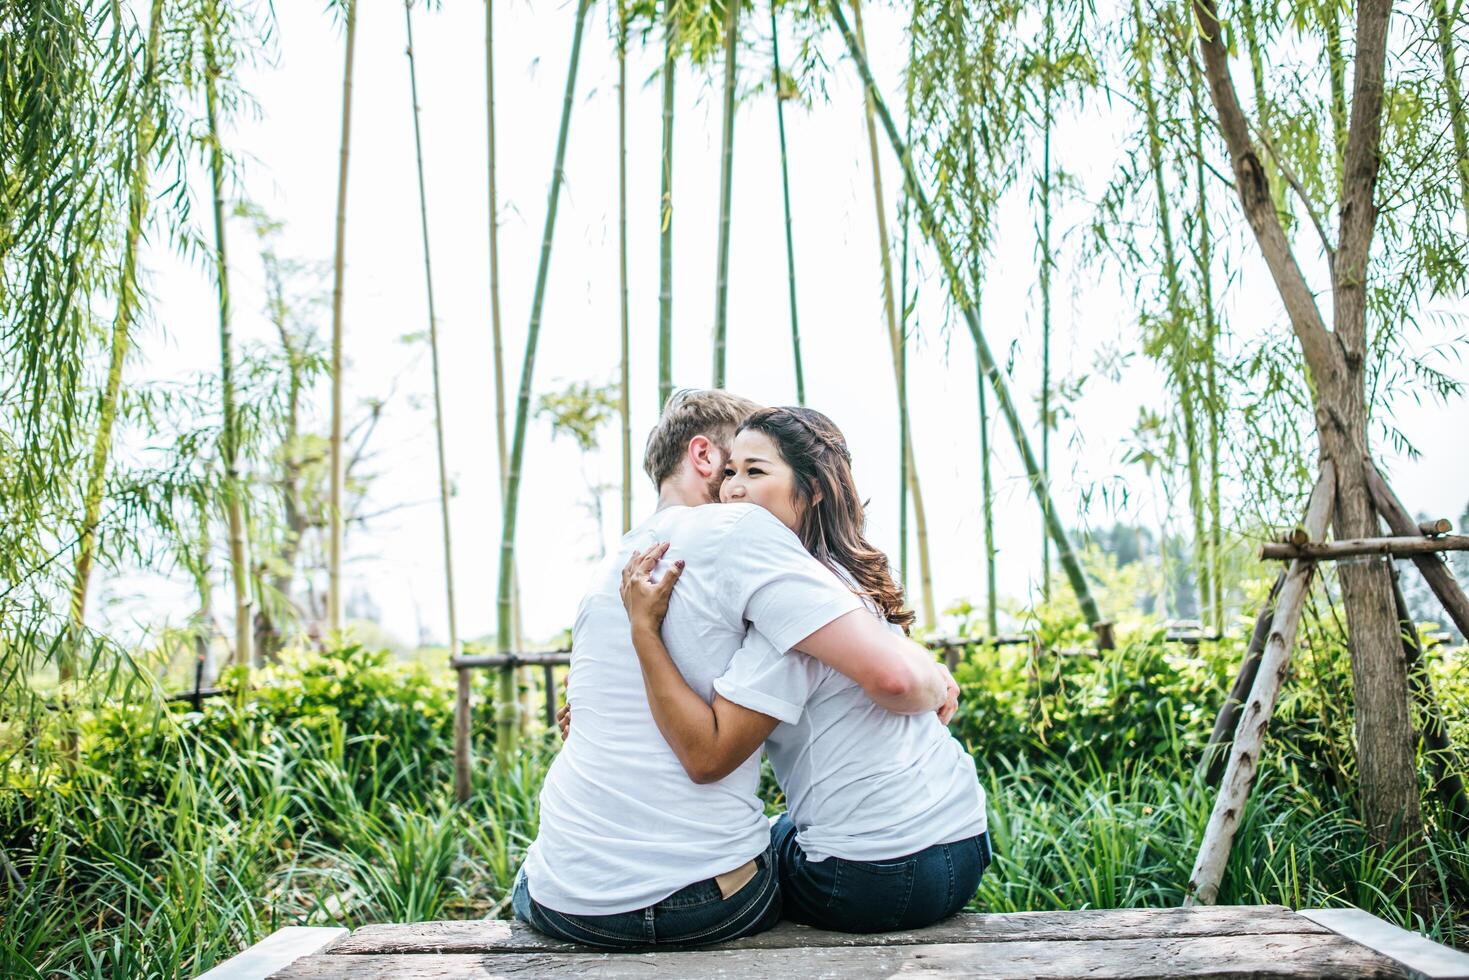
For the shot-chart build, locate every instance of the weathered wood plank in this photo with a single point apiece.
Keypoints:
(1418, 953)
(481, 936)
(275, 951)
(1278, 957)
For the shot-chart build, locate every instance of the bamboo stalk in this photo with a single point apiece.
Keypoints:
(1244, 753)
(143, 134)
(506, 719)
(895, 340)
(1434, 737)
(936, 235)
(726, 187)
(1433, 569)
(1453, 95)
(338, 463)
(1433, 528)
(624, 401)
(433, 340)
(665, 211)
(230, 435)
(908, 305)
(785, 189)
(1045, 243)
(1205, 259)
(1178, 335)
(1332, 550)
(1214, 757)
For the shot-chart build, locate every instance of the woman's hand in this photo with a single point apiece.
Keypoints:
(647, 601)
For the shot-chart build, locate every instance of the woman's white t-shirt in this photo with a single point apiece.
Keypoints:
(861, 782)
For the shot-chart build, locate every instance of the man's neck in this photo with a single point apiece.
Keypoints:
(678, 493)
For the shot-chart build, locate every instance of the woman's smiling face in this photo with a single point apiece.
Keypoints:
(756, 474)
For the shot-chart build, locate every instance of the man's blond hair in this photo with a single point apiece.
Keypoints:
(712, 413)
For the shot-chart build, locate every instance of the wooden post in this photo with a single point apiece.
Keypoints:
(1446, 777)
(1214, 758)
(548, 675)
(1244, 754)
(1433, 568)
(461, 734)
(1397, 547)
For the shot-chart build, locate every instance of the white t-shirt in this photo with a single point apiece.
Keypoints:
(861, 782)
(622, 825)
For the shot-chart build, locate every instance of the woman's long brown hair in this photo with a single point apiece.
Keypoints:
(831, 527)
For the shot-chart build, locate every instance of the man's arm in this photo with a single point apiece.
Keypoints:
(895, 672)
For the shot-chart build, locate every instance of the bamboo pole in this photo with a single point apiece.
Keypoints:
(505, 721)
(1453, 95)
(1008, 409)
(1244, 753)
(1178, 336)
(1214, 757)
(1049, 28)
(433, 339)
(785, 189)
(338, 463)
(1446, 779)
(665, 211)
(1332, 550)
(143, 134)
(895, 340)
(624, 401)
(726, 187)
(907, 307)
(1435, 572)
(230, 435)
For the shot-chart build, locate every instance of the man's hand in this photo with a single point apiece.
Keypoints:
(950, 707)
(563, 721)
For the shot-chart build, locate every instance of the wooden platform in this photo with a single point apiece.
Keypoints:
(1242, 941)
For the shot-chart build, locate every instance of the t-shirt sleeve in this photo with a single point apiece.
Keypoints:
(765, 679)
(771, 581)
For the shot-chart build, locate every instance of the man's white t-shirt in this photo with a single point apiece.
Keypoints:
(861, 782)
(622, 825)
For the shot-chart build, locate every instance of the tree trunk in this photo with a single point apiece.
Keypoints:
(338, 461)
(506, 719)
(665, 212)
(920, 520)
(726, 188)
(936, 235)
(1337, 361)
(230, 437)
(785, 189)
(433, 341)
(143, 131)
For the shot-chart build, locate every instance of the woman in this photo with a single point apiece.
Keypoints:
(886, 826)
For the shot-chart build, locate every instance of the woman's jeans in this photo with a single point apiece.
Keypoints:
(695, 915)
(877, 896)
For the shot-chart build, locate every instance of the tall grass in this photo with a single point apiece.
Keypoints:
(184, 837)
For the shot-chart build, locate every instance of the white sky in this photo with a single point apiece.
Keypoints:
(291, 170)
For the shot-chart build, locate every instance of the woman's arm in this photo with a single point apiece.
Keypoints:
(711, 741)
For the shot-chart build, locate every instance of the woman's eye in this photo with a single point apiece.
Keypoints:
(755, 472)
(728, 473)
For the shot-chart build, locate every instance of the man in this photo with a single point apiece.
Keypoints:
(631, 852)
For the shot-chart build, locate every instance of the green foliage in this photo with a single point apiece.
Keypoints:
(185, 836)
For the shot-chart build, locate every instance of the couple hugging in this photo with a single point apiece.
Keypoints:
(717, 628)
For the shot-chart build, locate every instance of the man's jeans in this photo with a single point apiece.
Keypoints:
(695, 915)
(877, 896)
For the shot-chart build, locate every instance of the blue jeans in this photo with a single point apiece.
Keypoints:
(695, 915)
(877, 896)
